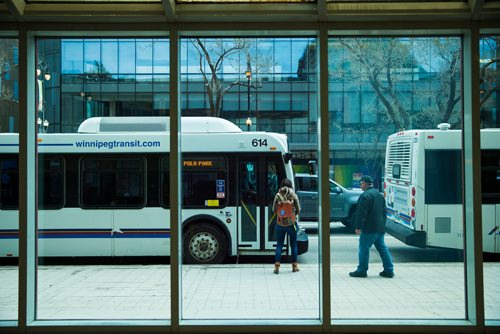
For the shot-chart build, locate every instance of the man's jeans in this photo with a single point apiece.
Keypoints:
(366, 240)
(281, 232)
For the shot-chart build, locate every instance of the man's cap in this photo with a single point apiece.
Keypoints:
(367, 179)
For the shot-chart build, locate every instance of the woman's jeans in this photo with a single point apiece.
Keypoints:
(366, 240)
(281, 232)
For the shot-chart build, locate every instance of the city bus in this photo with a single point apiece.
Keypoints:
(423, 187)
(104, 191)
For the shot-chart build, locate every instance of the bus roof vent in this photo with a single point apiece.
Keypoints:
(444, 126)
(155, 124)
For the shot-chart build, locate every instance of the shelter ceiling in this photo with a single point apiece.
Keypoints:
(195, 11)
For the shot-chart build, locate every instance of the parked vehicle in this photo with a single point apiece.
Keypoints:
(343, 201)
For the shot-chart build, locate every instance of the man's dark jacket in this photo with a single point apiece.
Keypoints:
(371, 212)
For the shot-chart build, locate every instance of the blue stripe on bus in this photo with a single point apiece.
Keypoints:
(91, 233)
(9, 144)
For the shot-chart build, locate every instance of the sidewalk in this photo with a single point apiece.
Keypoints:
(248, 291)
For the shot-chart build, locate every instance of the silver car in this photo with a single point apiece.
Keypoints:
(343, 201)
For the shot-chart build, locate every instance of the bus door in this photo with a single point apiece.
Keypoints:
(248, 205)
(258, 184)
(274, 175)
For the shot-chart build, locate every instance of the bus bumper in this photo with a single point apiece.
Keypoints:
(406, 235)
(302, 242)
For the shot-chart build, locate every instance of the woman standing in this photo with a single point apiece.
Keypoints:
(285, 200)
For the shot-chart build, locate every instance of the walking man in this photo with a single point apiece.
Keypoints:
(369, 222)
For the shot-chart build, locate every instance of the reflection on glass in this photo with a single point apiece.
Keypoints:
(101, 78)
(103, 228)
(489, 47)
(229, 237)
(392, 94)
(9, 176)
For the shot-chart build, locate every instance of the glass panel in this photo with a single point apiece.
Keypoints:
(489, 49)
(110, 85)
(126, 56)
(109, 56)
(399, 177)
(9, 178)
(103, 233)
(230, 237)
(72, 56)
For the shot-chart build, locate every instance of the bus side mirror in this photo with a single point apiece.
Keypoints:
(287, 157)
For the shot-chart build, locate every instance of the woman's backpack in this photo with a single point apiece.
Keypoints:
(285, 209)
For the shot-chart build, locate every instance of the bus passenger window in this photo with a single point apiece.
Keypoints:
(108, 182)
(165, 182)
(51, 183)
(9, 184)
(443, 182)
(490, 180)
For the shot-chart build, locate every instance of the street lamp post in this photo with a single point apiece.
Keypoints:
(42, 74)
(248, 74)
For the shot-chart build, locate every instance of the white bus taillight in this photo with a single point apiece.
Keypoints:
(413, 191)
(412, 213)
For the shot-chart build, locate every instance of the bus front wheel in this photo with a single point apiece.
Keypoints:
(204, 244)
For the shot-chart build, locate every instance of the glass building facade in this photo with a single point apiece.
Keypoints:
(130, 77)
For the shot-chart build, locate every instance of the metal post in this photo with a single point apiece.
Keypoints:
(248, 74)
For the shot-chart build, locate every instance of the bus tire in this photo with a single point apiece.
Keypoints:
(204, 244)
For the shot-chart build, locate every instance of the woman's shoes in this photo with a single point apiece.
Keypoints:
(295, 267)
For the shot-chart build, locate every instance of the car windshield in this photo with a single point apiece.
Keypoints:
(333, 185)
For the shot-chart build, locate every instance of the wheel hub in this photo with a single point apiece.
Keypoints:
(203, 246)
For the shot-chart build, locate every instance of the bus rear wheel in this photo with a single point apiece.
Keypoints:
(204, 244)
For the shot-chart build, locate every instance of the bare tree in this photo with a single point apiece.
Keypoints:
(9, 103)
(393, 68)
(369, 140)
(443, 57)
(490, 70)
(383, 63)
(6, 65)
(216, 53)
(389, 63)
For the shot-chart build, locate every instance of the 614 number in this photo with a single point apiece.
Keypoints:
(259, 142)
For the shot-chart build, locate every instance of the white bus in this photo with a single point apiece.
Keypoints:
(423, 187)
(104, 191)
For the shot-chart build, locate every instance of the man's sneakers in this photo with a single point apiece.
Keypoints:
(387, 274)
(358, 274)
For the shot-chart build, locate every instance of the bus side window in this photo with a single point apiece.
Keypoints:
(51, 183)
(443, 181)
(9, 183)
(490, 176)
(111, 182)
(165, 182)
